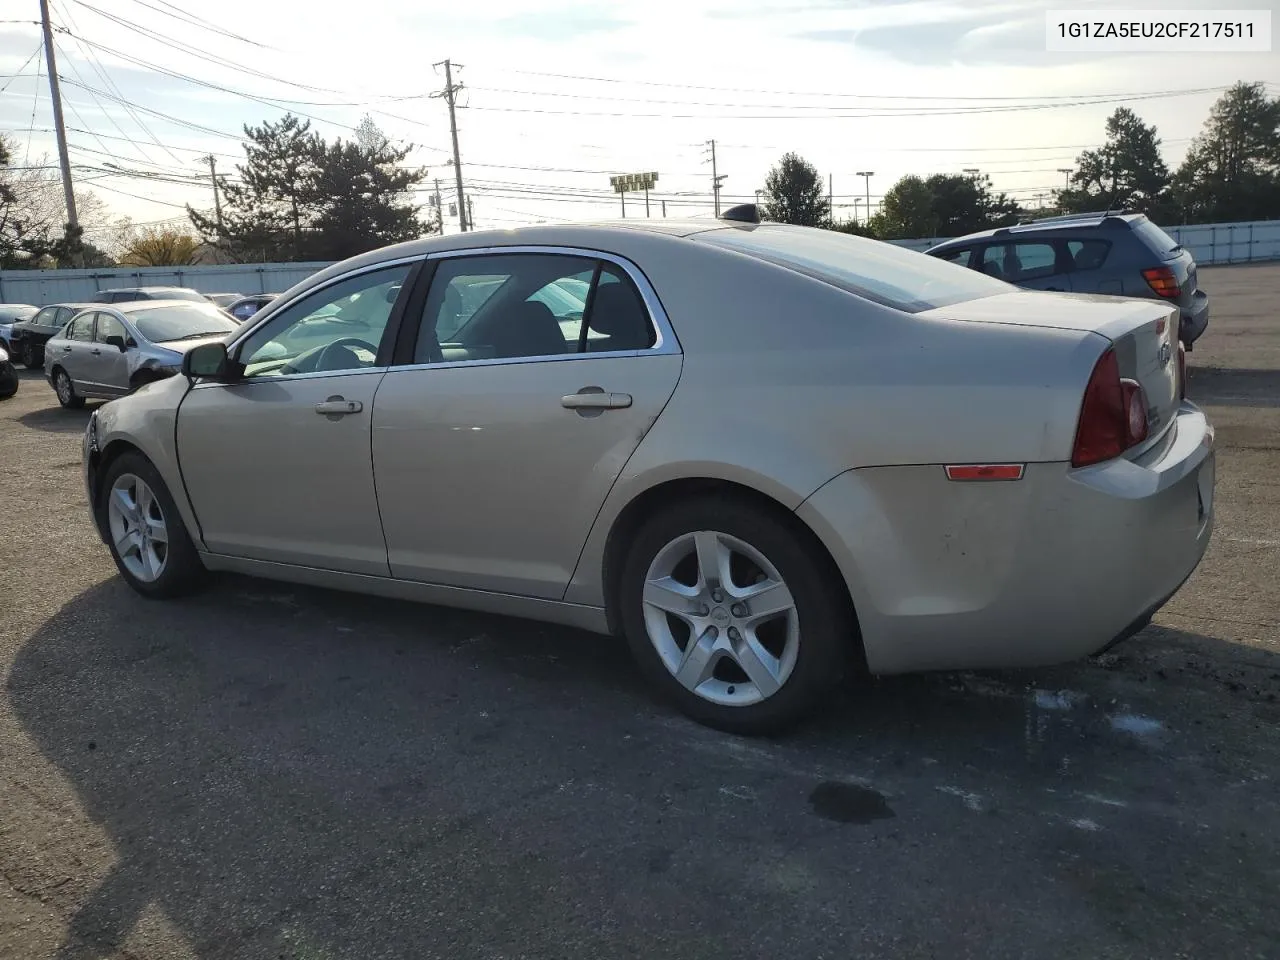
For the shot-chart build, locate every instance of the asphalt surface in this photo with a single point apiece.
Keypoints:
(265, 771)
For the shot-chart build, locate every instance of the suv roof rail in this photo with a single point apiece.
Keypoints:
(1084, 215)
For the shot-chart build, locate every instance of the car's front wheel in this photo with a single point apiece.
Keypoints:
(66, 390)
(734, 612)
(148, 540)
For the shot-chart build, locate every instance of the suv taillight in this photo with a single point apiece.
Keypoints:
(1163, 281)
(1113, 417)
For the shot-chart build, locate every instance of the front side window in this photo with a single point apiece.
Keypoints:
(512, 306)
(109, 326)
(337, 328)
(46, 317)
(880, 272)
(185, 321)
(81, 327)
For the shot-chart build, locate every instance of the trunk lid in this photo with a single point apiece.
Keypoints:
(1143, 333)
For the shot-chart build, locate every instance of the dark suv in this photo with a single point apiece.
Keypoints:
(1115, 253)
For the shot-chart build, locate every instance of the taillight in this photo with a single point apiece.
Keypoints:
(1163, 281)
(1182, 371)
(1113, 416)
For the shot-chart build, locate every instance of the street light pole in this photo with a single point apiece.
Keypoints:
(866, 176)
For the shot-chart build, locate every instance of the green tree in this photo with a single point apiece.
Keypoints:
(1127, 171)
(942, 205)
(365, 198)
(267, 211)
(1232, 170)
(795, 193)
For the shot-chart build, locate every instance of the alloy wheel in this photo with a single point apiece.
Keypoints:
(721, 618)
(62, 386)
(139, 534)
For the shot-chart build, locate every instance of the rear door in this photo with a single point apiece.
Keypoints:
(508, 418)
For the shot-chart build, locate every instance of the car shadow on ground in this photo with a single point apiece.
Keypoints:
(1233, 387)
(293, 772)
(56, 419)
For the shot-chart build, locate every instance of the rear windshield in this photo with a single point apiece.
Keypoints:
(181, 322)
(881, 272)
(1154, 237)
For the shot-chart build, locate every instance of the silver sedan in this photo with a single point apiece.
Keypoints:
(766, 455)
(106, 352)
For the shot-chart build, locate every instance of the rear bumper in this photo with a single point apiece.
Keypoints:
(1046, 569)
(1195, 318)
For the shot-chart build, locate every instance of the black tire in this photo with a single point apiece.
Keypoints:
(32, 356)
(8, 381)
(66, 390)
(827, 626)
(183, 572)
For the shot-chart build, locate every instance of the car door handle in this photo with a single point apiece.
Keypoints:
(596, 399)
(96, 352)
(338, 407)
(66, 349)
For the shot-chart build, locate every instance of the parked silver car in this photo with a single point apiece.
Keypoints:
(762, 453)
(107, 352)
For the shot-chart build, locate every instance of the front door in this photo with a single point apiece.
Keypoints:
(496, 443)
(72, 353)
(277, 465)
(106, 366)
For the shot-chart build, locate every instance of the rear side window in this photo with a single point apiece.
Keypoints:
(1088, 254)
(1155, 238)
(880, 272)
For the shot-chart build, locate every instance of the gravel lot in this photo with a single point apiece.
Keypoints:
(273, 772)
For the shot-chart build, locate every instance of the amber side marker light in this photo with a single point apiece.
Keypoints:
(985, 471)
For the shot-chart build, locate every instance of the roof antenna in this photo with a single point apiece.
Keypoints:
(742, 213)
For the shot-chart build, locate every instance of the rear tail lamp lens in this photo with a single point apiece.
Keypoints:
(1113, 416)
(1163, 282)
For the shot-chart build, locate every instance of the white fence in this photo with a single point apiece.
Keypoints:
(68, 286)
(1209, 243)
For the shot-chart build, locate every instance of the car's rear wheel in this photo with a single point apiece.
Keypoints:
(66, 390)
(734, 613)
(148, 540)
(32, 356)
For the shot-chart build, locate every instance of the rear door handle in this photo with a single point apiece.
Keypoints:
(96, 352)
(595, 400)
(338, 407)
(66, 349)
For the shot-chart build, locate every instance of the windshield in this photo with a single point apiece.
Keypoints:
(181, 321)
(881, 272)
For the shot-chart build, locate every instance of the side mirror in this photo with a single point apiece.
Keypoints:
(209, 360)
(117, 341)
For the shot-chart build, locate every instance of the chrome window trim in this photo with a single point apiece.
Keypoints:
(291, 377)
(665, 342)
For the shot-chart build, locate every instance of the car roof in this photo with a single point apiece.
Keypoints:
(167, 286)
(129, 307)
(75, 305)
(1047, 225)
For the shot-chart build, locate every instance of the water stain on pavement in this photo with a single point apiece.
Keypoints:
(848, 803)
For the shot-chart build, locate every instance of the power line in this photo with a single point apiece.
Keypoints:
(812, 93)
(14, 76)
(156, 113)
(35, 102)
(193, 20)
(849, 112)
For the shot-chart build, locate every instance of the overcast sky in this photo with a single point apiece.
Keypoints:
(890, 86)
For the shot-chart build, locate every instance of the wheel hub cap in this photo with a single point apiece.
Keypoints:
(139, 534)
(721, 618)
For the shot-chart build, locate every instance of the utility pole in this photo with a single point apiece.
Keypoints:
(866, 176)
(471, 217)
(1066, 171)
(439, 208)
(715, 177)
(831, 210)
(664, 209)
(450, 94)
(646, 201)
(73, 221)
(217, 201)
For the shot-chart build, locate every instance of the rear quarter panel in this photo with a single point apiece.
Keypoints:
(788, 382)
